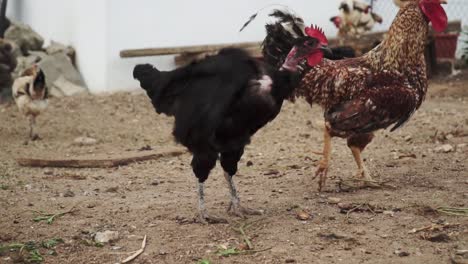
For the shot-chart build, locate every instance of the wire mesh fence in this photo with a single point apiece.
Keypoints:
(448, 44)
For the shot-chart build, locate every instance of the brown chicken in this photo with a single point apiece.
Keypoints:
(380, 89)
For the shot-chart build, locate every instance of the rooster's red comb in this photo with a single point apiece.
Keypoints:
(316, 32)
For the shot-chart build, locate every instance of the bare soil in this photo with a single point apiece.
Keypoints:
(158, 198)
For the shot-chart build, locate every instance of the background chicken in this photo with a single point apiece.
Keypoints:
(375, 91)
(355, 19)
(220, 102)
(30, 94)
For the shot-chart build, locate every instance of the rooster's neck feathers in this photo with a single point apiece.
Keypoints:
(404, 44)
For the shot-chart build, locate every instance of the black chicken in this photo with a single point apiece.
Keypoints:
(219, 103)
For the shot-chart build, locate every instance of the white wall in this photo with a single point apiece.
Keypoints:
(150, 23)
(100, 29)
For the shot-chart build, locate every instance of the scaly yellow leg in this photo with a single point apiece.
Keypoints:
(362, 170)
(322, 169)
(363, 173)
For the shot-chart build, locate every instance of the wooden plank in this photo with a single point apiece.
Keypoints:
(187, 58)
(186, 49)
(95, 163)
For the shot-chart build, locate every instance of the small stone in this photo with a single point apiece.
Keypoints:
(112, 189)
(84, 141)
(408, 138)
(444, 148)
(155, 183)
(48, 172)
(249, 163)
(390, 213)
(401, 253)
(271, 172)
(106, 236)
(361, 232)
(69, 193)
(334, 200)
(303, 215)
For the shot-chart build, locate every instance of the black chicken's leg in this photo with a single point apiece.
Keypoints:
(229, 162)
(202, 164)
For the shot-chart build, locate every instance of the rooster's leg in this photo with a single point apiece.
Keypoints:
(229, 162)
(323, 164)
(357, 144)
(235, 207)
(203, 216)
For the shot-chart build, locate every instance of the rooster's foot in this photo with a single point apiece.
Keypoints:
(366, 180)
(206, 219)
(35, 137)
(321, 172)
(240, 211)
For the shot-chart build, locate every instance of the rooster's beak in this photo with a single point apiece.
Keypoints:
(326, 51)
(444, 2)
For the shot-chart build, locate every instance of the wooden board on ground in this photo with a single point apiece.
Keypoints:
(97, 161)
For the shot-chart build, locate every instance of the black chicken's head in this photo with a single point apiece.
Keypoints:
(312, 47)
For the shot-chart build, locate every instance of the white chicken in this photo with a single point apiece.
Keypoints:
(30, 94)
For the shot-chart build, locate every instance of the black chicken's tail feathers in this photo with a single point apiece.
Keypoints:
(147, 74)
(154, 83)
(281, 36)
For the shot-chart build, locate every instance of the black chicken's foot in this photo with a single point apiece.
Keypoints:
(242, 212)
(206, 219)
(234, 207)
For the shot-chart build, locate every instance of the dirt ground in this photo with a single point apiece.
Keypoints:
(158, 198)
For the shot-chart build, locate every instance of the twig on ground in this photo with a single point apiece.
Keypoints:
(453, 211)
(432, 227)
(50, 218)
(137, 253)
(374, 184)
(352, 210)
